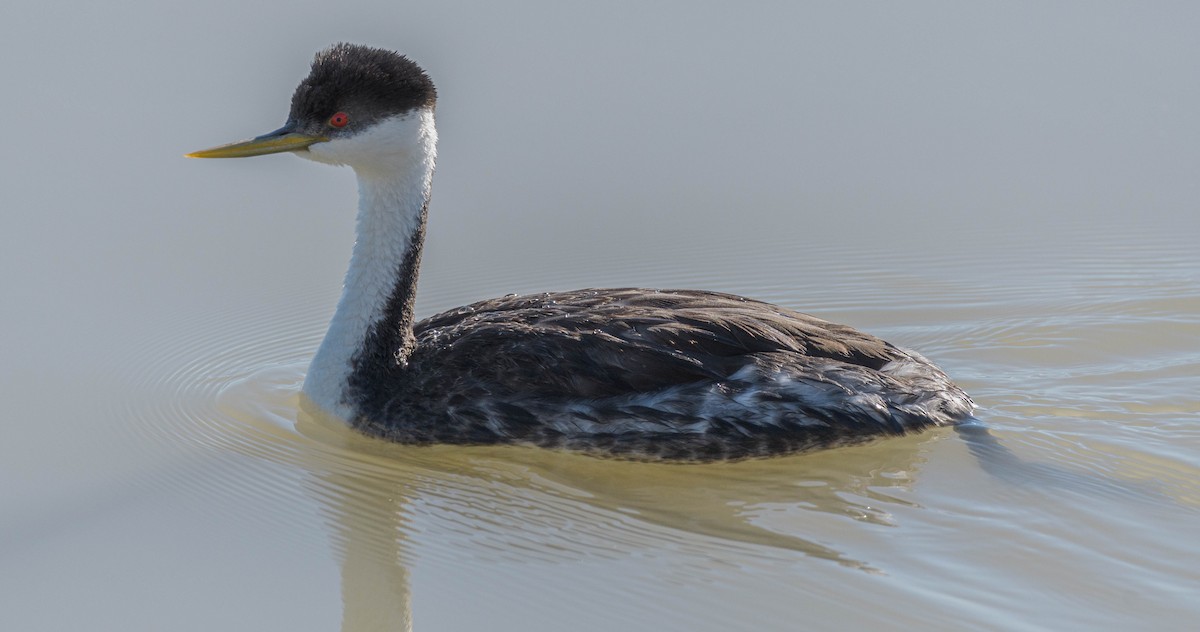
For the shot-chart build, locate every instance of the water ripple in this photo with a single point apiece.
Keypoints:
(1065, 375)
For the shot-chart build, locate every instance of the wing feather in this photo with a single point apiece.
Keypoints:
(597, 343)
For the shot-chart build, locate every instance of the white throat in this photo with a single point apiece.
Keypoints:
(394, 161)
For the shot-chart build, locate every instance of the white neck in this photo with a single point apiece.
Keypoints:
(394, 162)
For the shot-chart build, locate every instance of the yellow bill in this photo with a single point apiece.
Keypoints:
(272, 143)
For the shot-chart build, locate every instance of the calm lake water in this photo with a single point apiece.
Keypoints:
(1010, 191)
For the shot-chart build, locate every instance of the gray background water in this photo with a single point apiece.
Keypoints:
(1009, 188)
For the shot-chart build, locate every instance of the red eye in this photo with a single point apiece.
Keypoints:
(339, 120)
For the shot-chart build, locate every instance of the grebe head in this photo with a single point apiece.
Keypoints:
(359, 106)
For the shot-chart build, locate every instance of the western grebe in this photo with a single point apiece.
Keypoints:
(648, 374)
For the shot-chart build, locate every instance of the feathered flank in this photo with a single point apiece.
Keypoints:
(653, 374)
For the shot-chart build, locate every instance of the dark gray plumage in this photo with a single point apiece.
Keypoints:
(369, 84)
(670, 374)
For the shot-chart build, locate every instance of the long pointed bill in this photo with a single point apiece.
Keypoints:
(280, 140)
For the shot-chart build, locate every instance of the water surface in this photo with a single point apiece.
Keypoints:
(1009, 191)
